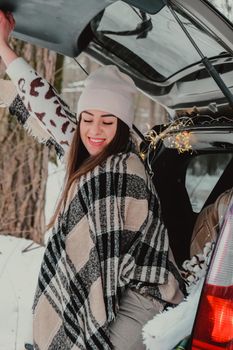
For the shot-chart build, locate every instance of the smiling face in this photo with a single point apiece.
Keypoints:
(97, 130)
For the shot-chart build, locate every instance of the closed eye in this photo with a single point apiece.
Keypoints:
(107, 123)
(87, 121)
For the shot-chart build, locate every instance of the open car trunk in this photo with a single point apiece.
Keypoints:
(145, 40)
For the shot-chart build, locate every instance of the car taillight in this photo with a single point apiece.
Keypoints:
(222, 311)
(213, 328)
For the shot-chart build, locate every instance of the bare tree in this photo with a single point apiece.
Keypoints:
(24, 162)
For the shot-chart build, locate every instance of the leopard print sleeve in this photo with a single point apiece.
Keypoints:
(43, 103)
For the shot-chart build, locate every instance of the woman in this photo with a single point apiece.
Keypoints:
(107, 268)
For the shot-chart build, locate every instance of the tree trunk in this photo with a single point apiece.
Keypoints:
(24, 162)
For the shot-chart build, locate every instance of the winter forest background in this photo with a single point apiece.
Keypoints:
(31, 179)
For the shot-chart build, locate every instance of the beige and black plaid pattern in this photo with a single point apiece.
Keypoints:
(110, 236)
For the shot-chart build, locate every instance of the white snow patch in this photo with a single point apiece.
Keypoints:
(20, 261)
(56, 174)
(19, 274)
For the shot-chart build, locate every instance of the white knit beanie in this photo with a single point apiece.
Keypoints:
(109, 90)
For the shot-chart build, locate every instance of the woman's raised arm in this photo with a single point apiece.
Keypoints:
(40, 99)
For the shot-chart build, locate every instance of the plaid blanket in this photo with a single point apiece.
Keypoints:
(109, 236)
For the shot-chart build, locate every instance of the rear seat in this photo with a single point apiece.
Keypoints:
(208, 222)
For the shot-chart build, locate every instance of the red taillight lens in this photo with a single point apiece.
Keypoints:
(214, 326)
(214, 321)
(222, 317)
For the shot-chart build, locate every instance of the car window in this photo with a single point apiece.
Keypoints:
(225, 7)
(131, 34)
(202, 174)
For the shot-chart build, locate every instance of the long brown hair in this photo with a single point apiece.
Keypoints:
(80, 162)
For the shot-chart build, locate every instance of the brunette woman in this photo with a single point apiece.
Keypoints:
(107, 268)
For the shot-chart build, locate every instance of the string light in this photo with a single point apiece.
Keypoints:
(174, 133)
(182, 142)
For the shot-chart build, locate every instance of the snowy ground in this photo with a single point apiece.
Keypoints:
(20, 261)
(199, 189)
(19, 266)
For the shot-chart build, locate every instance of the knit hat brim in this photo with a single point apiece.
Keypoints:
(118, 105)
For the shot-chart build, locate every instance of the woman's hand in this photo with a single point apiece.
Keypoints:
(7, 24)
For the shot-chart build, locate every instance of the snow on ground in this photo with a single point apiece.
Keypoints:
(20, 261)
(19, 266)
(199, 189)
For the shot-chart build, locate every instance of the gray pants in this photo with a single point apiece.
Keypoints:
(135, 310)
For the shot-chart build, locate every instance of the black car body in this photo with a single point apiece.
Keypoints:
(187, 67)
